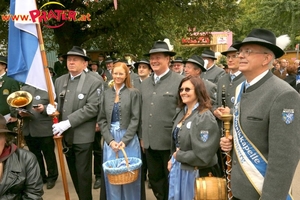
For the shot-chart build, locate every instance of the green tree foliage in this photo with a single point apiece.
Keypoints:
(135, 25)
(280, 16)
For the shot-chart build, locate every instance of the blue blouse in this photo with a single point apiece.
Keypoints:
(115, 113)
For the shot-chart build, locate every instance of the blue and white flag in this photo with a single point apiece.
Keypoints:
(24, 56)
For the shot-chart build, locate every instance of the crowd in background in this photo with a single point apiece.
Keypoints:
(163, 109)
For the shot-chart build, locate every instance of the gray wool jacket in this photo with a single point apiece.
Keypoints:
(129, 108)
(262, 119)
(213, 74)
(79, 107)
(198, 140)
(39, 124)
(159, 102)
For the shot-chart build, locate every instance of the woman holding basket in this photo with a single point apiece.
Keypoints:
(119, 120)
(195, 140)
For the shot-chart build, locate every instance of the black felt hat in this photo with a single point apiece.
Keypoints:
(3, 127)
(230, 49)
(177, 60)
(264, 38)
(160, 47)
(196, 60)
(208, 54)
(142, 61)
(3, 59)
(109, 60)
(77, 51)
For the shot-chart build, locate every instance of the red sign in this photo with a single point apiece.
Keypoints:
(193, 37)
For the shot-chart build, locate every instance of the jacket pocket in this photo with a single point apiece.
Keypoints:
(254, 118)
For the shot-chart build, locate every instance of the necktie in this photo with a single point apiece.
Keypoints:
(156, 79)
(232, 76)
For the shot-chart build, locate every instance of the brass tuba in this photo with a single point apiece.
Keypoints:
(111, 83)
(18, 100)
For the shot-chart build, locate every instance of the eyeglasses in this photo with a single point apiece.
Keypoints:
(177, 65)
(247, 52)
(185, 89)
(231, 57)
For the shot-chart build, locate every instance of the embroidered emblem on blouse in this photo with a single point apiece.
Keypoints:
(204, 136)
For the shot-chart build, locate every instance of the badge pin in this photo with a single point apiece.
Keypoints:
(204, 136)
(98, 91)
(1, 83)
(80, 96)
(188, 125)
(288, 115)
(5, 92)
(37, 97)
(232, 99)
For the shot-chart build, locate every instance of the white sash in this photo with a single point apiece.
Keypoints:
(250, 158)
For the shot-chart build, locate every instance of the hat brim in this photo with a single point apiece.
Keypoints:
(208, 56)
(177, 61)
(278, 52)
(141, 62)
(231, 49)
(75, 54)
(195, 62)
(3, 62)
(170, 53)
(8, 131)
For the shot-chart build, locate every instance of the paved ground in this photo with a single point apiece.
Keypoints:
(57, 193)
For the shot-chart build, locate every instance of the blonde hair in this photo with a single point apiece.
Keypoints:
(124, 66)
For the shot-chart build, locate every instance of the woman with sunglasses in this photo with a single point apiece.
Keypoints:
(118, 119)
(195, 140)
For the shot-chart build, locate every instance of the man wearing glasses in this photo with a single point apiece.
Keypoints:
(178, 65)
(265, 124)
(228, 83)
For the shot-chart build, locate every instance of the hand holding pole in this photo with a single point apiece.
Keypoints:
(226, 118)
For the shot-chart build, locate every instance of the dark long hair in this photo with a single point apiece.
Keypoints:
(200, 91)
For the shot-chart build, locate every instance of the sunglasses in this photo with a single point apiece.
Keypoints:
(185, 89)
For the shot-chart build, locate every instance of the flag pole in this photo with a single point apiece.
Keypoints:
(58, 139)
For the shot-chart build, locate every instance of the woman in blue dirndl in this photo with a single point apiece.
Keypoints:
(119, 119)
(195, 140)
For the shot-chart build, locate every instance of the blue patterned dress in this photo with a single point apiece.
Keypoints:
(130, 191)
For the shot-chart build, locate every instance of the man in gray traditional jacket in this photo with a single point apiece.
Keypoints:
(159, 96)
(266, 124)
(78, 94)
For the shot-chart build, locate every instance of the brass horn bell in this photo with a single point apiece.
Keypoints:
(19, 99)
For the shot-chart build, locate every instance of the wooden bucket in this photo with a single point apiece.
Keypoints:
(210, 188)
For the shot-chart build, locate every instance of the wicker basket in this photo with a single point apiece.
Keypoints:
(124, 174)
